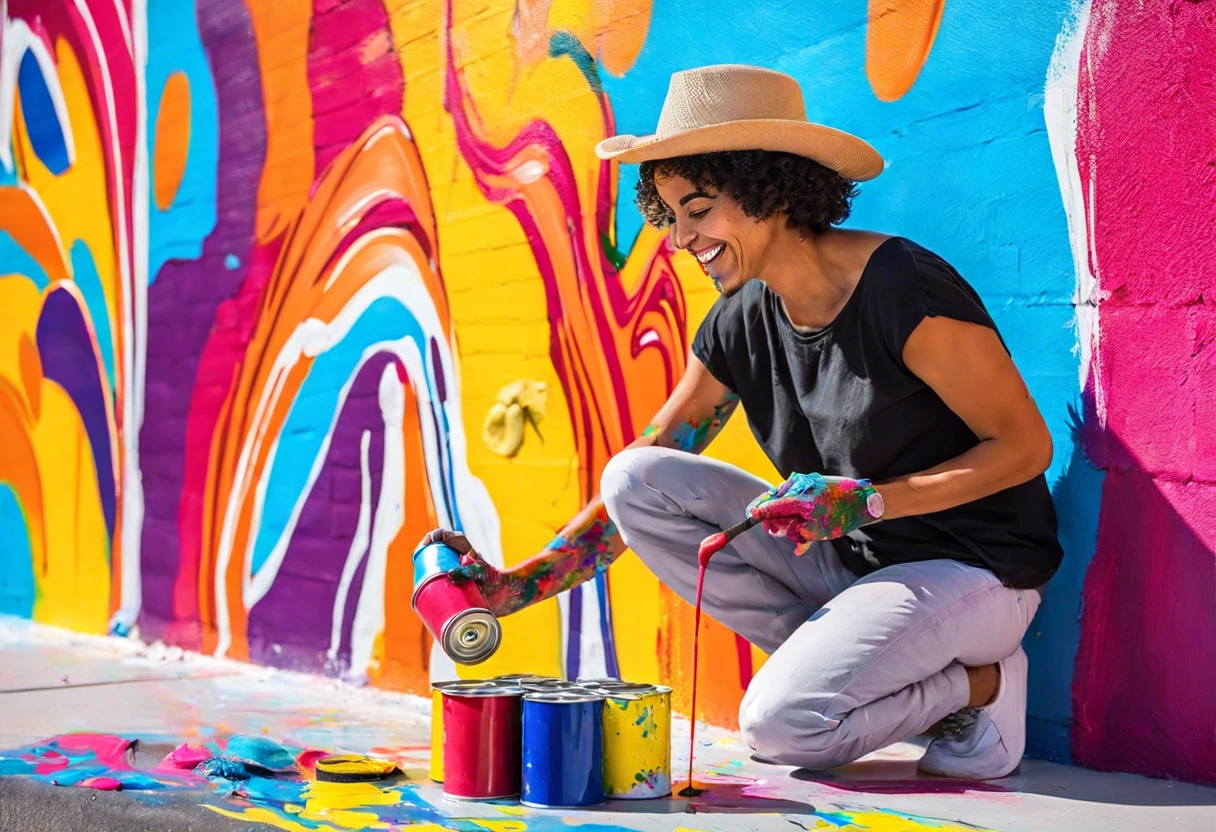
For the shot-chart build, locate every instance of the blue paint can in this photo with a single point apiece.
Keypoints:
(433, 559)
(563, 760)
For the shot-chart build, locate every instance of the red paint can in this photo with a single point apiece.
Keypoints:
(481, 741)
(457, 616)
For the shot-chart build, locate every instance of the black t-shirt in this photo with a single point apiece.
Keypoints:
(840, 401)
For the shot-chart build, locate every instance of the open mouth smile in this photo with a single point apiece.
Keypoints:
(709, 255)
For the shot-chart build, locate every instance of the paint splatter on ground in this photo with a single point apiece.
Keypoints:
(174, 730)
(259, 780)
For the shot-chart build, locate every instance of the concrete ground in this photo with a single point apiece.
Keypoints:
(53, 683)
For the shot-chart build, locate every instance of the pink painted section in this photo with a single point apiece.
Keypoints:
(1146, 667)
(110, 751)
(353, 72)
(185, 758)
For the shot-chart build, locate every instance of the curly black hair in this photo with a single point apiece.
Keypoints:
(764, 182)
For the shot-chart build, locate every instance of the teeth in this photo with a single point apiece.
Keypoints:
(706, 256)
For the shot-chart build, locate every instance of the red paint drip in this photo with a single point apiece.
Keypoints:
(709, 547)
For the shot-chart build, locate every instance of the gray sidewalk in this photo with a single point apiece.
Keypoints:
(53, 683)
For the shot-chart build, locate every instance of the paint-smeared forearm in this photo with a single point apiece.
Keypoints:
(583, 549)
(693, 434)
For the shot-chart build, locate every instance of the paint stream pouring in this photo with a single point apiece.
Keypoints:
(710, 546)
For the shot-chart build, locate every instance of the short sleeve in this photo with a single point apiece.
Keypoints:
(711, 343)
(923, 285)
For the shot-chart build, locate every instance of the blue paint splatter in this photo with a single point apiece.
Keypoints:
(232, 262)
(16, 558)
(41, 119)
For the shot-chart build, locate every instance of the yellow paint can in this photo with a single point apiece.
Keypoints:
(437, 729)
(637, 741)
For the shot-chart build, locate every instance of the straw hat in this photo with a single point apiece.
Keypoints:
(733, 107)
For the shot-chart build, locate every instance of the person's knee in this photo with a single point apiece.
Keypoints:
(619, 483)
(783, 727)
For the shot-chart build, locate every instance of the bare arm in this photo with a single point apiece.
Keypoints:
(693, 415)
(968, 368)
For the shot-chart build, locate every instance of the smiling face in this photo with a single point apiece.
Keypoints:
(729, 245)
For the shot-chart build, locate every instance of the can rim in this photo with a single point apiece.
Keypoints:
(522, 677)
(630, 687)
(562, 697)
(482, 691)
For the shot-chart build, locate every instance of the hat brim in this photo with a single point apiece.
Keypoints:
(844, 153)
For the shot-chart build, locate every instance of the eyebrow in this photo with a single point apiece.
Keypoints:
(687, 198)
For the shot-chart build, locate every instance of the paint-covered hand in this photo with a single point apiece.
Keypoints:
(494, 583)
(810, 507)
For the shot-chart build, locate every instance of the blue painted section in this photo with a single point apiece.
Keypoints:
(84, 271)
(41, 120)
(316, 407)
(15, 260)
(178, 232)
(232, 262)
(16, 558)
(969, 176)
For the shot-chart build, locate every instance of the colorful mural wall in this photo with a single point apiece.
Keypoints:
(285, 284)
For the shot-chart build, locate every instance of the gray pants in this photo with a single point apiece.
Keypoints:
(855, 664)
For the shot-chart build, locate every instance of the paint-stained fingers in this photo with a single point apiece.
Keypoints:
(449, 537)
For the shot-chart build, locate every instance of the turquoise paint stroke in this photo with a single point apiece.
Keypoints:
(16, 558)
(15, 260)
(179, 231)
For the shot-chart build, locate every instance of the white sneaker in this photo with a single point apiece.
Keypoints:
(984, 743)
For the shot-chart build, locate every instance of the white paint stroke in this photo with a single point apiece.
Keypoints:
(358, 546)
(1060, 114)
(390, 517)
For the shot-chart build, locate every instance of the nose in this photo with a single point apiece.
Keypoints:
(681, 236)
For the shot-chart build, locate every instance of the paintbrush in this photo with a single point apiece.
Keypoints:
(712, 544)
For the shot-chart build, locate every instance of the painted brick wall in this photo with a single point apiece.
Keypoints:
(267, 268)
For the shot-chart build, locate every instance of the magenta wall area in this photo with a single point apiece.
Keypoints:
(1144, 695)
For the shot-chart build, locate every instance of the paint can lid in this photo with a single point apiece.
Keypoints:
(521, 678)
(627, 687)
(633, 690)
(437, 686)
(478, 687)
(549, 685)
(563, 697)
(600, 682)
